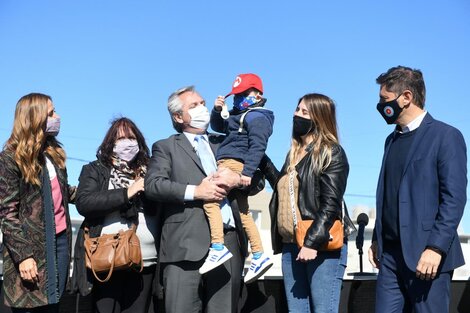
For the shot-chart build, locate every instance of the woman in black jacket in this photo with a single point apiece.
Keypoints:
(110, 197)
(311, 184)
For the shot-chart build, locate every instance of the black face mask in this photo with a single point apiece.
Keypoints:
(390, 110)
(302, 126)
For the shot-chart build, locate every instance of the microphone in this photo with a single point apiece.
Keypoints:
(362, 221)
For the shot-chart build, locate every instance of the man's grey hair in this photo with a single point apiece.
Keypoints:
(176, 106)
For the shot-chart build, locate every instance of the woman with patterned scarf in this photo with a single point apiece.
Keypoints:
(110, 197)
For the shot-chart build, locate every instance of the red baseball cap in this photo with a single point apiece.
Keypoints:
(244, 82)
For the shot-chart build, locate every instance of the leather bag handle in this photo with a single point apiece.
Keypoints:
(108, 277)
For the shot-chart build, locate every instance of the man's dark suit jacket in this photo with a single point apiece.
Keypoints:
(185, 233)
(432, 194)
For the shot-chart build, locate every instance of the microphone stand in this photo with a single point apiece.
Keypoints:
(361, 272)
(360, 260)
(362, 221)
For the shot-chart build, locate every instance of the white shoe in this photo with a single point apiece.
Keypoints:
(257, 268)
(214, 259)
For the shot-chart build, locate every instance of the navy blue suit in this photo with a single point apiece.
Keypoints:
(431, 199)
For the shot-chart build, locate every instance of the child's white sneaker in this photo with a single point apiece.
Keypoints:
(214, 259)
(257, 268)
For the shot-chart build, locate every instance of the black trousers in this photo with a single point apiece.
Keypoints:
(126, 292)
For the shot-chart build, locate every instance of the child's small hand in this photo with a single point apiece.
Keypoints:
(219, 103)
(245, 181)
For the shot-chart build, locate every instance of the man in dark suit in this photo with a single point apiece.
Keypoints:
(421, 195)
(177, 178)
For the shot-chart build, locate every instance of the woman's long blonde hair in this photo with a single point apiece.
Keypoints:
(28, 140)
(324, 133)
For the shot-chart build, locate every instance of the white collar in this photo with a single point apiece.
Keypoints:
(191, 136)
(414, 124)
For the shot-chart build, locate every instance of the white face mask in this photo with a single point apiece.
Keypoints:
(126, 149)
(200, 117)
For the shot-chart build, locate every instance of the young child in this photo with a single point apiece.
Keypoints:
(248, 127)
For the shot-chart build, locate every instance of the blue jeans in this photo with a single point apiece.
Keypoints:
(313, 286)
(63, 260)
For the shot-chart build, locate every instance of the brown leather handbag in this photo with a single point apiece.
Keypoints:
(336, 234)
(110, 252)
(301, 226)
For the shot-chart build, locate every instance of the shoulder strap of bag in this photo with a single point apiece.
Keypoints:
(134, 229)
(292, 197)
(348, 225)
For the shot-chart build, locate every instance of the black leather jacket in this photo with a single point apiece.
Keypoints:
(320, 196)
(94, 202)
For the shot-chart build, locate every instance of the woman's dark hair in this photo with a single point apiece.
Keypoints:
(105, 150)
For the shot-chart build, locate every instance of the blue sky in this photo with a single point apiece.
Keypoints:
(105, 59)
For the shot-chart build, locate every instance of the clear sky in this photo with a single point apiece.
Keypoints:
(105, 59)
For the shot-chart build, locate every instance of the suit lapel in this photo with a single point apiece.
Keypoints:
(380, 185)
(417, 141)
(186, 146)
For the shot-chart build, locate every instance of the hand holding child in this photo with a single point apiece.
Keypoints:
(245, 181)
